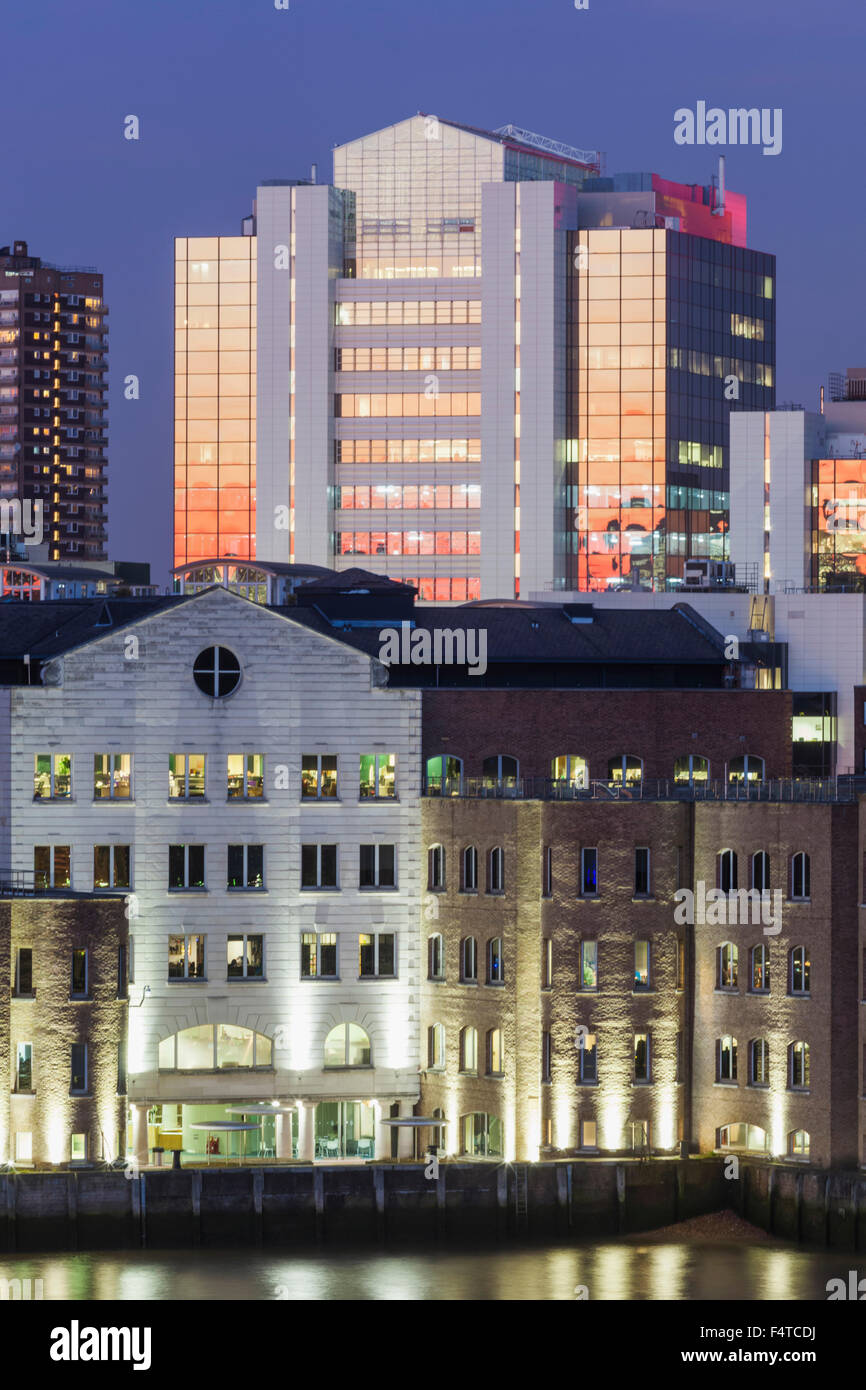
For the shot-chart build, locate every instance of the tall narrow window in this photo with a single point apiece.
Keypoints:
(726, 864)
(436, 956)
(726, 1058)
(587, 1057)
(469, 960)
(642, 954)
(545, 1055)
(681, 963)
(801, 877)
(78, 1069)
(761, 872)
(436, 1047)
(588, 873)
(798, 1066)
(641, 873)
(495, 972)
(588, 965)
(469, 1050)
(728, 966)
(547, 963)
(801, 970)
(24, 971)
(547, 872)
(79, 986)
(760, 973)
(470, 870)
(642, 1057)
(759, 1069)
(496, 870)
(24, 1067)
(495, 1062)
(436, 868)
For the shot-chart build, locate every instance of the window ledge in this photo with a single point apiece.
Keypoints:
(378, 977)
(494, 984)
(727, 989)
(727, 1084)
(187, 801)
(320, 979)
(758, 1085)
(321, 888)
(113, 801)
(246, 979)
(186, 890)
(238, 889)
(31, 1093)
(378, 800)
(797, 994)
(580, 1082)
(467, 892)
(31, 995)
(643, 897)
(245, 800)
(81, 1095)
(588, 897)
(646, 1082)
(81, 998)
(378, 888)
(320, 800)
(187, 980)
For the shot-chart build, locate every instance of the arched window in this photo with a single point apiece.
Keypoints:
(570, 769)
(436, 956)
(760, 969)
(469, 1050)
(692, 768)
(481, 1135)
(798, 1066)
(728, 961)
(759, 1062)
(436, 868)
(347, 1045)
(801, 970)
(748, 1138)
(469, 960)
(746, 769)
(801, 877)
(215, 1047)
(500, 772)
(726, 1058)
(495, 1057)
(470, 870)
(436, 1047)
(726, 870)
(495, 970)
(761, 871)
(444, 776)
(625, 769)
(799, 1141)
(496, 870)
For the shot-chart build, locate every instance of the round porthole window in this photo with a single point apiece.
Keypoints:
(217, 672)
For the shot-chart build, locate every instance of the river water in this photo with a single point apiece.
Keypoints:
(615, 1269)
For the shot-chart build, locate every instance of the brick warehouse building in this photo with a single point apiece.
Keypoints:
(567, 1010)
(63, 1026)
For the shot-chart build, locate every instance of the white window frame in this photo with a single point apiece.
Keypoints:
(187, 795)
(187, 937)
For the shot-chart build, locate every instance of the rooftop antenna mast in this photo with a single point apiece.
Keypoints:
(719, 209)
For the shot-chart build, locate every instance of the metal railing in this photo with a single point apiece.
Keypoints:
(21, 883)
(800, 789)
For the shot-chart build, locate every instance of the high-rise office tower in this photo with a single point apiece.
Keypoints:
(474, 361)
(53, 361)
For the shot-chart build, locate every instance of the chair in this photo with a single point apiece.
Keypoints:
(332, 1147)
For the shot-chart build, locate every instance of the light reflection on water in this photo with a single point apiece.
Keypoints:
(613, 1270)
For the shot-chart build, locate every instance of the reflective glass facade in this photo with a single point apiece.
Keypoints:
(838, 508)
(667, 334)
(215, 398)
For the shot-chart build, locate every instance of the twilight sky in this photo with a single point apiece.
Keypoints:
(231, 92)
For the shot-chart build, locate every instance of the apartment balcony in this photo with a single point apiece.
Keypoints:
(821, 789)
